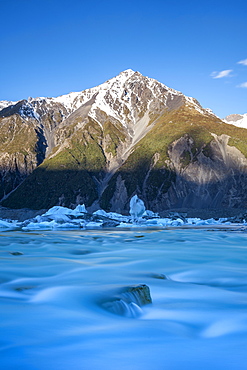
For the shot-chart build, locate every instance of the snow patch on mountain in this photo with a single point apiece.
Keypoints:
(239, 120)
(118, 97)
(125, 98)
(6, 103)
(71, 101)
(28, 110)
(75, 100)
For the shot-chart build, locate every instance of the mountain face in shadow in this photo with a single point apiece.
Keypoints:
(130, 135)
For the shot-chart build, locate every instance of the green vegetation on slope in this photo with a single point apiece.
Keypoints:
(75, 168)
(114, 135)
(16, 136)
(64, 178)
(142, 175)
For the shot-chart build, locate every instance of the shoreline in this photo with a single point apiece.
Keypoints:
(204, 214)
(20, 214)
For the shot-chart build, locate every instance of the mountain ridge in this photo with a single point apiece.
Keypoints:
(129, 135)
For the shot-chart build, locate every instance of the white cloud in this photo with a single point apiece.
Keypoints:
(244, 62)
(244, 85)
(225, 73)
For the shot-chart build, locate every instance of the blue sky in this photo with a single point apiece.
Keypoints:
(51, 47)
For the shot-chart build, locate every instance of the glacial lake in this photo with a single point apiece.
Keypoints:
(54, 285)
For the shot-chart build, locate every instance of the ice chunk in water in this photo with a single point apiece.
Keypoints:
(80, 209)
(137, 207)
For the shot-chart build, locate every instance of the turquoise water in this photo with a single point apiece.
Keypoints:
(53, 283)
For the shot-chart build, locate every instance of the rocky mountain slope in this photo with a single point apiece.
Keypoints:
(130, 135)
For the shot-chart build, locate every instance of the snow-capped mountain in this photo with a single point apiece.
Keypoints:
(128, 91)
(130, 135)
(130, 100)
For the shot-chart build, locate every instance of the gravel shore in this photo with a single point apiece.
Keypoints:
(205, 213)
(19, 214)
(24, 213)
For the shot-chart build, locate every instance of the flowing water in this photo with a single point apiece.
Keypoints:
(56, 288)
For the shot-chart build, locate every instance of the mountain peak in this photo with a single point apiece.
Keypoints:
(127, 72)
(124, 97)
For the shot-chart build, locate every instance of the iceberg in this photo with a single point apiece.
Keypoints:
(8, 224)
(59, 217)
(137, 207)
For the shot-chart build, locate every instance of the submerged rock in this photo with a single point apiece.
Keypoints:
(240, 218)
(80, 252)
(139, 293)
(176, 215)
(129, 302)
(160, 276)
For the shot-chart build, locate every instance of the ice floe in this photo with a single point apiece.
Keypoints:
(62, 217)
